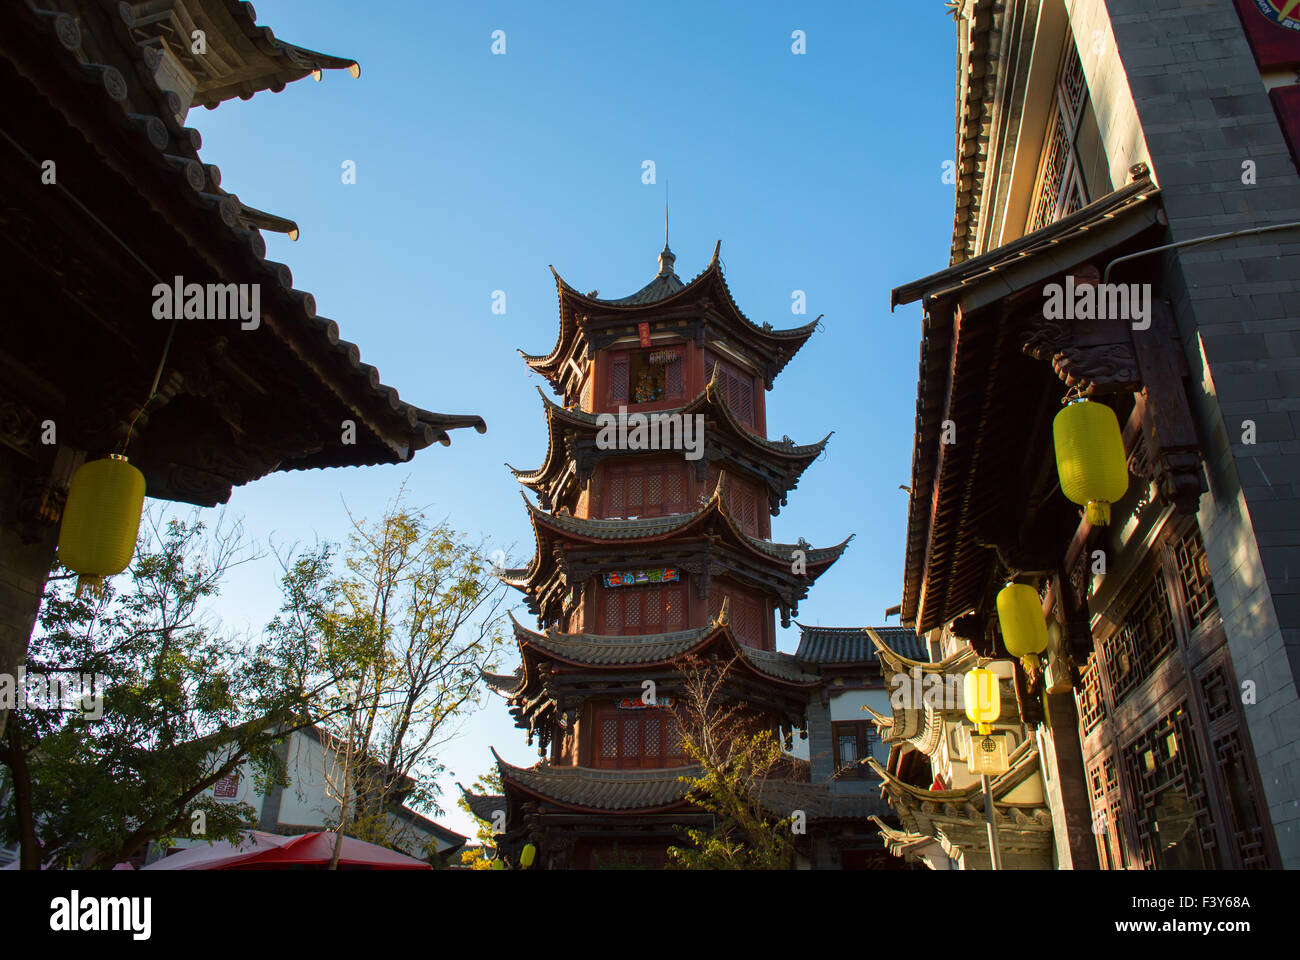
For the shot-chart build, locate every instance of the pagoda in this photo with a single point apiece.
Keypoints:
(650, 549)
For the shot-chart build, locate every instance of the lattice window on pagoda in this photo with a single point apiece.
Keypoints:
(742, 504)
(618, 378)
(674, 493)
(1163, 767)
(616, 495)
(586, 395)
(747, 614)
(612, 615)
(632, 612)
(674, 610)
(652, 489)
(630, 735)
(1194, 575)
(737, 389)
(653, 736)
(1092, 707)
(1146, 635)
(643, 609)
(609, 739)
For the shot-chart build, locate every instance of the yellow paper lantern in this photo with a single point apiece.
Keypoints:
(1090, 458)
(1024, 628)
(983, 699)
(100, 521)
(527, 855)
(498, 864)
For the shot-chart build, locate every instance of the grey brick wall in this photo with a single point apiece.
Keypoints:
(821, 759)
(1204, 111)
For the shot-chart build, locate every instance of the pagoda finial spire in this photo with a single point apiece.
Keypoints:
(667, 258)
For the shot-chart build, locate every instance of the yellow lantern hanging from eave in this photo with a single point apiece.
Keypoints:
(100, 521)
(1024, 628)
(983, 699)
(1090, 458)
(526, 855)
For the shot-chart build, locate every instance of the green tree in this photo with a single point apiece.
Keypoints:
(737, 756)
(183, 706)
(489, 784)
(413, 620)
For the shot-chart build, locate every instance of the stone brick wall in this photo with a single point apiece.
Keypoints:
(821, 757)
(1204, 111)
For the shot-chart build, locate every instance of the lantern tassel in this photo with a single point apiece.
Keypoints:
(1098, 513)
(92, 585)
(1030, 662)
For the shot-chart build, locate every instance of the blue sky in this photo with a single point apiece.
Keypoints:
(819, 172)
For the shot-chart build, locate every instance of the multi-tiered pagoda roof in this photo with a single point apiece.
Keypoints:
(647, 556)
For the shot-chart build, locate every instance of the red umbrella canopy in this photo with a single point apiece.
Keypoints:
(268, 851)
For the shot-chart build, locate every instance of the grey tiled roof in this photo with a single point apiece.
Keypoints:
(853, 644)
(597, 650)
(624, 790)
(602, 789)
(483, 805)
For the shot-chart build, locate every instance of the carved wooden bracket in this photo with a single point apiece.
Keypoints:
(1110, 355)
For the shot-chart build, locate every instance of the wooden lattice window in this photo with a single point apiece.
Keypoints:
(1194, 575)
(653, 489)
(1241, 800)
(737, 389)
(647, 737)
(748, 613)
(1163, 769)
(1104, 792)
(1060, 187)
(1056, 157)
(618, 378)
(1143, 639)
(586, 395)
(852, 742)
(1092, 706)
(633, 611)
(1229, 755)
(742, 500)
(611, 621)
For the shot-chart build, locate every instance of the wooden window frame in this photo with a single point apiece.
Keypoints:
(865, 733)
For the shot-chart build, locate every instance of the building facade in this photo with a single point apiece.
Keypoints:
(1140, 163)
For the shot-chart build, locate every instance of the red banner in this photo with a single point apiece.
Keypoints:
(643, 331)
(1273, 29)
(1286, 102)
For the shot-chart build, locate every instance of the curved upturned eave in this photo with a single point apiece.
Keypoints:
(514, 777)
(691, 641)
(707, 399)
(1021, 764)
(550, 365)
